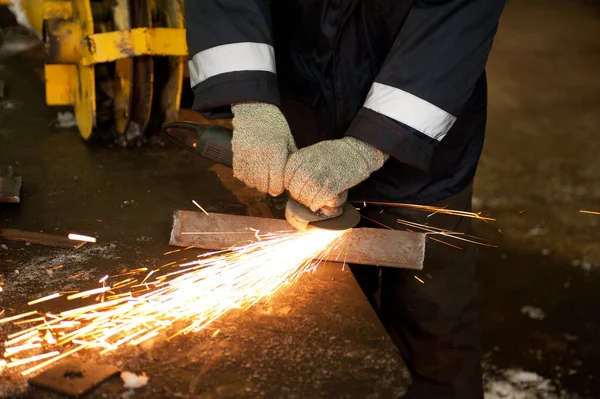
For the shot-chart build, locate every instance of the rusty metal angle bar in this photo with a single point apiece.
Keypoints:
(367, 246)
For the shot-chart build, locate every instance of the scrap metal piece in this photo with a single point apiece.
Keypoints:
(73, 377)
(365, 246)
(10, 186)
(33, 237)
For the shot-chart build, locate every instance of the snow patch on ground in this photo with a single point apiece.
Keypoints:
(477, 203)
(533, 313)
(65, 120)
(521, 384)
(537, 231)
(585, 264)
(133, 381)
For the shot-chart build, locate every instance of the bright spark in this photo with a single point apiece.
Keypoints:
(181, 299)
(202, 209)
(75, 275)
(433, 209)
(79, 237)
(19, 316)
(20, 362)
(88, 293)
(46, 298)
(20, 348)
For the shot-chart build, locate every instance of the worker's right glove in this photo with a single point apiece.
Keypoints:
(318, 173)
(261, 144)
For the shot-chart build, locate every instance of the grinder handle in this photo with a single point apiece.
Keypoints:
(210, 141)
(214, 143)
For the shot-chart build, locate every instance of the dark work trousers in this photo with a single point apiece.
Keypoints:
(435, 323)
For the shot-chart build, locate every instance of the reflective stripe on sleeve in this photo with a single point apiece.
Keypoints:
(235, 57)
(409, 109)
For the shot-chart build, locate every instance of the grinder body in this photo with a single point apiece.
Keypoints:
(214, 143)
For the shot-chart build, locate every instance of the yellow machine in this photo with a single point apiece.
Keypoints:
(119, 63)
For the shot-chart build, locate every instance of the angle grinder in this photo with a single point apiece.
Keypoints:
(214, 143)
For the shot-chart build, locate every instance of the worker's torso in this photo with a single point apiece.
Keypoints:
(329, 52)
(328, 55)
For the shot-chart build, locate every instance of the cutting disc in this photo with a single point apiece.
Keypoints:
(303, 218)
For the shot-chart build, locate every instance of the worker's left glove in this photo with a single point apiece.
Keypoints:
(316, 174)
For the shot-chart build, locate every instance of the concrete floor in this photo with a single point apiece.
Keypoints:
(540, 167)
(541, 155)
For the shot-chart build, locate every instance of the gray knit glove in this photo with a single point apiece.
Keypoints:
(261, 144)
(316, 174)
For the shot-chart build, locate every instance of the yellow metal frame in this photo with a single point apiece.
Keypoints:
(60, 87)
(112, 46)
(85, 92)
(57, 9)
(75, 49)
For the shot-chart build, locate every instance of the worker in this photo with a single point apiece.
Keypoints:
(386, 98)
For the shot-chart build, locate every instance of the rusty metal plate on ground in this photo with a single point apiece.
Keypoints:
(73, 377)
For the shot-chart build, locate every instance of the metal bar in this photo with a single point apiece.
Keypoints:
(364, 246)
(33, 237)
(60, 79)
(112, 46)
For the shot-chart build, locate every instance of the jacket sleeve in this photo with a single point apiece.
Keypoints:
(231, 55)
(428, 76)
